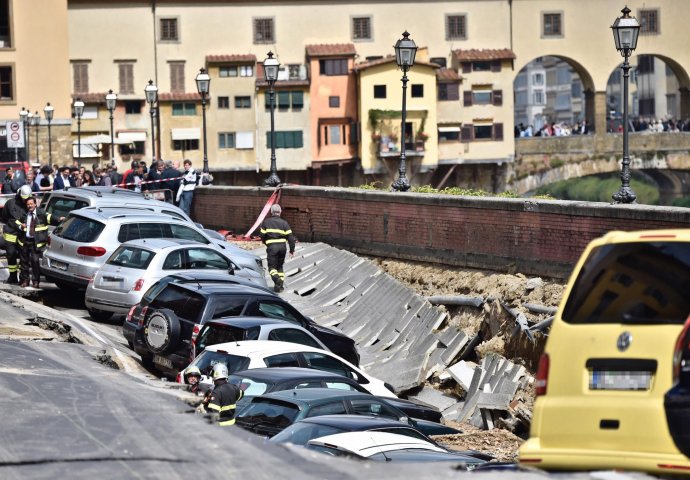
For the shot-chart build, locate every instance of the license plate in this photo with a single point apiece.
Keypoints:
(162, 361)
(58, 265)
(619, 380)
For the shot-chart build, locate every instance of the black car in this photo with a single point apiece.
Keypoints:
(270, 413)
(257, 381)
(164, 325)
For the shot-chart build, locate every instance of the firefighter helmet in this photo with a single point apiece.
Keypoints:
(25, 192)
(220, 370)
(191, 371)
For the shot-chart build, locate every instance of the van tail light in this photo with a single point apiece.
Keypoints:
(681, 354)
(130, 314)
(142, 316)
(195, 332)
(137, 285)
(542, 375)
(91, 251)
(178, 379)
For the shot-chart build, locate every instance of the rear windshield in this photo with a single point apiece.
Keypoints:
(249, 386)
(208, 359)
(217, 333)
(60, 207)
(269, 411)
(638, 282)
(301, 432)
(131, 257)
(79, 229)
(185, 303)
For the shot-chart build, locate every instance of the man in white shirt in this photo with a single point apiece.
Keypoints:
(185, 193)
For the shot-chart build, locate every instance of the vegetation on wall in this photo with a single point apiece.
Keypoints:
(468, 192)
(596, 188)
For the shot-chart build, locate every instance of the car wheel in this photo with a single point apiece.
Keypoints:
(162, 331)
(99, 315)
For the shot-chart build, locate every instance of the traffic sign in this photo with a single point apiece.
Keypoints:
(15, 134)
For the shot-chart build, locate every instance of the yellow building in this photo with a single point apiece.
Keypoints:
(380, 100)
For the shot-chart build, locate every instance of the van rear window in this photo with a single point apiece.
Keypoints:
(636, 283)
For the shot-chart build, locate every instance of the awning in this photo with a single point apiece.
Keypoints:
(449, 129)
(88, 150)
(97, 140)
(186, 134)
(129, 137)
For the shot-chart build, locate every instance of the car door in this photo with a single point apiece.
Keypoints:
(205, 259)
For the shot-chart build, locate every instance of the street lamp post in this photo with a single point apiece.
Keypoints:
(625, 32)
(110, 101)
(24, 116)
(151, 91)
(48, 111)
(35, 122)
(203, 85)
(405, 50)
(78, 106)
(271, 75)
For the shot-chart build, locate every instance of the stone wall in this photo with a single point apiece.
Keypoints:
(543, 237)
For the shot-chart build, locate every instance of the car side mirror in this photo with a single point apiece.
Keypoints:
(404, 419)
(231, 268)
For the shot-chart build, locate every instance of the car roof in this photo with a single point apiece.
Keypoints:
(250, 347)
(221, 278)
(309, 395)
(226, 288)
(370, 443)
(276, 374)
(248, 322)
(96, 191)
(106, 213)
(355, 422)
(159, 243)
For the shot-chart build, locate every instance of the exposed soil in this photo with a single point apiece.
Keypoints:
(502, 444)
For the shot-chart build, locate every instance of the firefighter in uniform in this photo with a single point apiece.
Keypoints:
(13, 215)
(224, 397)
(276, 234)
(32, 240)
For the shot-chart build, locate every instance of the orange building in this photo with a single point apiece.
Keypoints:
(333, 112)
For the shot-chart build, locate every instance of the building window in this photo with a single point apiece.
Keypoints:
(440, 61)
(226, 140)
(235, 71)
(481, 66)
(283, 100)
(417, 90)
(133, 148)
(185, 145)
(243, 102)
(223, 102)
(334, 134)
(180, 109)
(448, 134)
(481, 97)
(297, 100)
(539, 97)
(361, 28)
(333, 66)
(264, 30)
(168, 30)
(287, 139)
(6, 83)
(538, 79)
(379, 91)
(80, 71)
(132, 107)
(448, 91)
(483, 132)
(334, 101)
(176, 77)
(456, 27)
(576, 90)
(552, 25)
(126, 74)
(649, 22)
(645, 64)
(563, 101)
(224, 72)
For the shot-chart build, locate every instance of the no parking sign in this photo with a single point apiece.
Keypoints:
(15, 134)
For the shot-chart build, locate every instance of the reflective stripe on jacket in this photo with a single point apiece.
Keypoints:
(223, 401)
(276, 230)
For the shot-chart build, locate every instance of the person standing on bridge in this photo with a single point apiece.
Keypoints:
(224, 397)
(277, 235)
(13, 215)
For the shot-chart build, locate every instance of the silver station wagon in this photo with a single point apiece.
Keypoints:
(138, 264)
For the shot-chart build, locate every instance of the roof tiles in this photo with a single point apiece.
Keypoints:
(331, 50)
(475, 54)
(231, 58)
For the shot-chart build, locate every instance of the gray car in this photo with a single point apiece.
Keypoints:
(81, 244)
(136, 265)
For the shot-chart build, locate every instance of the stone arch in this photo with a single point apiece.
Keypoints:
(588, 86)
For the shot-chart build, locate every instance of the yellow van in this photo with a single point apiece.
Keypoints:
(609, 359)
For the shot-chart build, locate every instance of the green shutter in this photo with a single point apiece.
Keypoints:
(297, 99)
(289, 140)
(298, 139)
(267, 97)
(268, 139)
(283, 99)
(221, 140)
(280, 139)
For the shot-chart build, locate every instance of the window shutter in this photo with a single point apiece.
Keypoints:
(496, 66)
(126, 78)
(498, 131)
(354, 133)
(467, 98)
(81, 77)
(325, 134)
(268, 139)
(453, 91)
(298, 139)
(467, 67)
(466, 133)
(283, 99)
(498, 97)
(267, 98)
(297, 99)
(177, 77)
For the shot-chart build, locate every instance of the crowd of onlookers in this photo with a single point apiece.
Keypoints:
(561, 129)
(140, 177)
(659, 125)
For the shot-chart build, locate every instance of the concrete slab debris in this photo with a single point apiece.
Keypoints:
(433, 398)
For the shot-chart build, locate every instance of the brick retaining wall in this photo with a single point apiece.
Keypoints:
(535, 237)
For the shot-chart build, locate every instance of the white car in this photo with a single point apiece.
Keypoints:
(249, 354)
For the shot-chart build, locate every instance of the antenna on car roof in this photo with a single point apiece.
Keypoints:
(381, 451)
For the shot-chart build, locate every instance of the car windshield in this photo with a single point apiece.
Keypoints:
(79, 229)
(301, 432)
(208, 359)
(249, 386)
(131, 257)
(637, 282)
(266, 411)
(214, 334)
